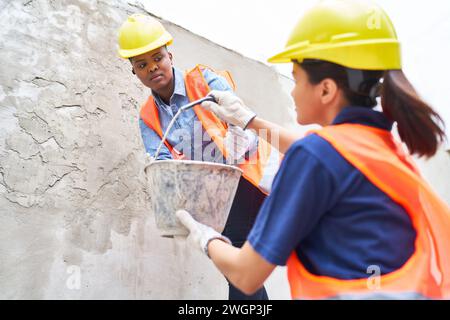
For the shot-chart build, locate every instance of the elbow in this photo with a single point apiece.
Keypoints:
(247, 286)
(250, 290)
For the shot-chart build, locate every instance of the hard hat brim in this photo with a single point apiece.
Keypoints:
(384, 54)
(289, 53)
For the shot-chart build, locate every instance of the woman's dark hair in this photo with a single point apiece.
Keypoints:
(419, 126)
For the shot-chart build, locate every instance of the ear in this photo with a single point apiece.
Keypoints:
(329, 90)
(132, 68)
(170, 56)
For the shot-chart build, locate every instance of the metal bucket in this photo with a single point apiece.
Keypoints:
(204, 189)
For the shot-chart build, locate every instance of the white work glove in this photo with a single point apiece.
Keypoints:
(199, 234)
(237, 143)
(229, 108)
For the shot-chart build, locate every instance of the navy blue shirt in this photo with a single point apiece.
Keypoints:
(337, 221)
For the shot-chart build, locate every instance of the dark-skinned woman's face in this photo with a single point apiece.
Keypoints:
(154, 68)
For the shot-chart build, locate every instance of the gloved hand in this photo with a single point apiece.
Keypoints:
(199, 234)
(237, 143)
(229, 108)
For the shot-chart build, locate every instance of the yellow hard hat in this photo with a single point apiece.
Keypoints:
(141, 34)
(354, 34)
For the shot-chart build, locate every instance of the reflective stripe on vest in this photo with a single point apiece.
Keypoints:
(259, 169)
(381, 159)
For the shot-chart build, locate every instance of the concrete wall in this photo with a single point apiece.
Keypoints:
(74, 208)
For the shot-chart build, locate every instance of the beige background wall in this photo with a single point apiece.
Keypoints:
(74, 209)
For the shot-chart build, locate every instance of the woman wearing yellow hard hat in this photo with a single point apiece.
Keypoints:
(144, 40)
(349, 213)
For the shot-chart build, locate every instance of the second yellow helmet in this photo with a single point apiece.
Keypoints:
(354, 34)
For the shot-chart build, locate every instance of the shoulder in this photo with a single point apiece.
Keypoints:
(304, 160)
(311, 144)
(215, 81)
(315, 147)
(209, 74)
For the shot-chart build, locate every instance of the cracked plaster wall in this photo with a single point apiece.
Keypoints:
(72, 189)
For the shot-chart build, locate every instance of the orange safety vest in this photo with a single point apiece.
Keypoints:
(376, 154)
(259, 171)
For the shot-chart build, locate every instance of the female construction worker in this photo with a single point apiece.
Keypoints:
(143, 40)
(348, 213)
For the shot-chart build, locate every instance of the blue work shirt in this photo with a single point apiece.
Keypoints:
(337, 221)
(187, 134)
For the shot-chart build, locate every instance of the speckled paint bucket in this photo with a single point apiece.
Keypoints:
(204, 189)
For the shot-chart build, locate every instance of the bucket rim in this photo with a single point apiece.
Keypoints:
(218, 165)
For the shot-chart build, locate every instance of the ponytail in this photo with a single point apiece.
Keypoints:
(419, 126)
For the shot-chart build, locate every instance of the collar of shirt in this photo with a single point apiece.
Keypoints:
(364, 116)
(179, 88)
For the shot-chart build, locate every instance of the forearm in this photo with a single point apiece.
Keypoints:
(276, 135)
(243, 267)
(226, 258)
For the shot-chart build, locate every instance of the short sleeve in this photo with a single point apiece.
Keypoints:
(302, 192)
